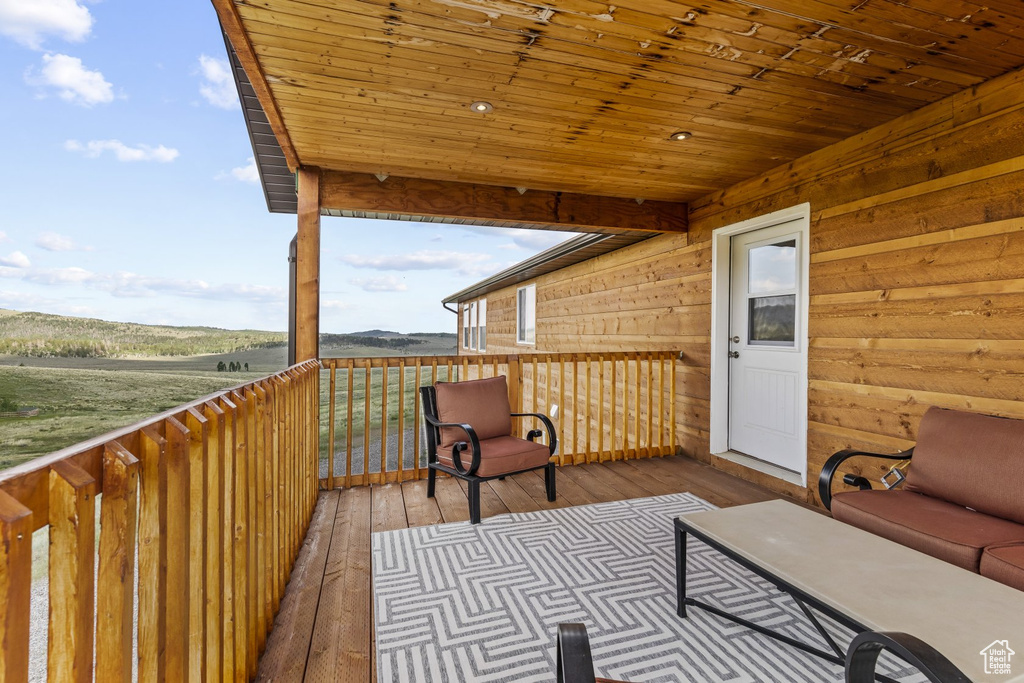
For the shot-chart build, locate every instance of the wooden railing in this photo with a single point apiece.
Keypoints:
(609, 407)
(213, 497)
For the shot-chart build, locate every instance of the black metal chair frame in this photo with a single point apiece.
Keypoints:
(828, 472)
(576, 665)
(428, 397)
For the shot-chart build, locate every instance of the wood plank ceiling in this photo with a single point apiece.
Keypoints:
(586, 94)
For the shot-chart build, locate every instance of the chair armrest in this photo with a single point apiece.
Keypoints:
(575, 664)
(828, 472)
(862, 657)
(460, 445)
(534, 433)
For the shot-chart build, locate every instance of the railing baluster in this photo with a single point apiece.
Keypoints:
(588, 400)
(259, 483)
(350, 371)
(251, 515)
(177, 608)
(416, 419)
(214, 538)
(366, 426)
(152, 555)
(385, 379)
(72, 547)
(672, 404)
(15, 587)
(332, 405)
(195, 423)
(115, 591)
(600, 408)
(401, 418)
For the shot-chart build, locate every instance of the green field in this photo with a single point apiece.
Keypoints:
(82, 397)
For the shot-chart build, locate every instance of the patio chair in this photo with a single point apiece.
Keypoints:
(475, 416)
(574, 662)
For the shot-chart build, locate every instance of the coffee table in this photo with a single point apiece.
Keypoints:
(863, 581)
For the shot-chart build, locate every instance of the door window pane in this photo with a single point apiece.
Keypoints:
(772, 320)
(773, 268)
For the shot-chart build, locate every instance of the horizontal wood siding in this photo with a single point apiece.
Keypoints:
(916, 280)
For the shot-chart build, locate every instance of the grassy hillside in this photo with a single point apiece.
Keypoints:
(44, 335)
(91, 376)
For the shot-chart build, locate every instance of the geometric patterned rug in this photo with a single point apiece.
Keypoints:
(466, 603)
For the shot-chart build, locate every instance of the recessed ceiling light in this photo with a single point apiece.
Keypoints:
(481, 107)
(681, 135)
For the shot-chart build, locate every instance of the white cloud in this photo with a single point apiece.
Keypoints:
(4, 237)
(336, 305)
(247, 174)
(74, 82)
(218, 86)
(123, 152)
(51, 241)
(15, 259)
(28, 21)
(385, 283)
(425, 259)
(127, 284)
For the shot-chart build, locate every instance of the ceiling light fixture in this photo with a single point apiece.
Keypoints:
(482, 107)
(681, 135)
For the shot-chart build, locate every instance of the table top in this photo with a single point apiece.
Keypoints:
(876, 582)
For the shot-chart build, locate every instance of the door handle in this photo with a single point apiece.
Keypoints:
(734, 354)
(735, 340)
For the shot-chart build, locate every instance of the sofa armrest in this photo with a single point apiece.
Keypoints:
(460, 445)
(575, 664)
(862, 657)
(534, 433)
(828, 472)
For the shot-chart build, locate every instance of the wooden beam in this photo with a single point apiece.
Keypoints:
(307, 270)
(342, 190)
(231, 22)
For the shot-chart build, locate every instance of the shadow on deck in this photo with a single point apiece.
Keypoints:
(324, 631)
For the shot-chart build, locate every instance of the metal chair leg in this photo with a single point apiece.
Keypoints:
(431, 481)
(549, 481)
(474, 502)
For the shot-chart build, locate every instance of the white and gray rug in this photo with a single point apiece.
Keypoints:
(461, 603)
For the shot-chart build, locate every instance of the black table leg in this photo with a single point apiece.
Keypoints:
(680, 571)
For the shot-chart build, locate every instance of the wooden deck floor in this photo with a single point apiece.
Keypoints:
(324, 631)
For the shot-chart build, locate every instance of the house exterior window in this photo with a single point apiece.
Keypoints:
(481, 316)
(526, 315)
(465, 326)
(472, 325)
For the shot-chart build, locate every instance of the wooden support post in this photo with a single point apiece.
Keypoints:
(307, 285)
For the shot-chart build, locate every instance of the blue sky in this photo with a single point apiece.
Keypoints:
(127, 190)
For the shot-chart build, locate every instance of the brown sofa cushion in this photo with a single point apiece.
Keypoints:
(481, 403)
(501, 455)
(1005, 564)
(940, 529)
(975, 461)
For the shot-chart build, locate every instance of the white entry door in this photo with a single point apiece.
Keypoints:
(766, 345)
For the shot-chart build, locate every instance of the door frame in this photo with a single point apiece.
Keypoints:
(720, 303)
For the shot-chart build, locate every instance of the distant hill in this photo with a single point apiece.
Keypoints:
(42, 335)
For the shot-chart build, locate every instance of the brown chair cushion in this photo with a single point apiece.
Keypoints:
(975, 461)
(940, 529)
(480, 403)
(1005, 564)
(501, 455)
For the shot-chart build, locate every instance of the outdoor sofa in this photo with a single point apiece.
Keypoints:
(962, 500)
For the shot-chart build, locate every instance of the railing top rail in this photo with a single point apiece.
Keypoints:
(391, 361)
(24, 481)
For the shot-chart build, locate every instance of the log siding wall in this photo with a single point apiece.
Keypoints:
(916, 280)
